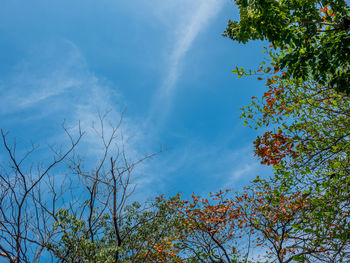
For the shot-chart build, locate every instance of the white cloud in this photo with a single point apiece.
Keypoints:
(35, 81)
(198, 15)
(55, 79)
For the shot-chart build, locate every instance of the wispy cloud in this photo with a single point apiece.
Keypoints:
(38, 79)
(55, 84)
(202, 12)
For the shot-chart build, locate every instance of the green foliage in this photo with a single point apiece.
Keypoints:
(75, 244)
(313, 36)
(305, 115)
(308, 144)
(140, 229)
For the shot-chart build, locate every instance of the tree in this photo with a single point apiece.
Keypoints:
(312, 36)
(305, 117)
(308, 145)
(25, 230)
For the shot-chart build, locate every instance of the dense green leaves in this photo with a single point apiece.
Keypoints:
(141, 228)
(313, 36)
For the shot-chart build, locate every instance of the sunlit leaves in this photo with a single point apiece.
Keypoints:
(313, 34)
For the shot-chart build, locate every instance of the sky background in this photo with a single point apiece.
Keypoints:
(163, 62)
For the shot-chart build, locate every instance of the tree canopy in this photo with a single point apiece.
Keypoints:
(312, 36)
(304, 113)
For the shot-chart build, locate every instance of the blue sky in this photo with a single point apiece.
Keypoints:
(162, 61)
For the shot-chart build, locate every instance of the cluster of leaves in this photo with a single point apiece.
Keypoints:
(142, 230)
(75, 244)
(273, 147)
(285, 223)
(207, 228)
(204, 229)
(312, 36)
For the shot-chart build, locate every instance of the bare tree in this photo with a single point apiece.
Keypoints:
(47, 211)
(24, 229)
